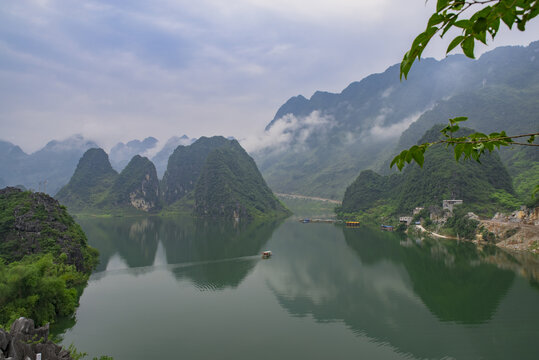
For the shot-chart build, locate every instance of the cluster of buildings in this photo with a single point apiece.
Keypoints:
(447, 207)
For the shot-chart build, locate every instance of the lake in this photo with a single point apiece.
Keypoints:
(198, 289)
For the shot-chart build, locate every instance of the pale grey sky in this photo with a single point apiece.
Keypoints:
(119, 70)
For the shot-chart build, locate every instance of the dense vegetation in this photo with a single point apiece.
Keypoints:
(185, 166)
(231, 185)
(484, 187)
(89, 186)
(97, 187)
(39, 288)
(44, 258)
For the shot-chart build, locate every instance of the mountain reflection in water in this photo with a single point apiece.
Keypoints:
(347, 292)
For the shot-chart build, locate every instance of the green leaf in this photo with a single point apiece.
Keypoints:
(459, 148)
(509, 18)
(435, 19)
(463, 24)
(468, 46)
(480, 25)
(456, 41)
(459, 119)
(441, 4)
(417, 154)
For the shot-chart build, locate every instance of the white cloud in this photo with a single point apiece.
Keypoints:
(288, 132)
(380, 132)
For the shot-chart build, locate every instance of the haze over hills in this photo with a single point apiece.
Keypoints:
(122, 153)
(54, 163)
(317, 146)
(50, 168)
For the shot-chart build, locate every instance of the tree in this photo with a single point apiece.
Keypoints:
(486, 19)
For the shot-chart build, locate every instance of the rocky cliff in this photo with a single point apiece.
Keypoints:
(24, 341)
(136, 186)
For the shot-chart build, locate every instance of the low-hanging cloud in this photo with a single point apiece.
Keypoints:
(380, 132)
(288, 131)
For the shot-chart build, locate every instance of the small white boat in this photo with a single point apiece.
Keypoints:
(266, 254)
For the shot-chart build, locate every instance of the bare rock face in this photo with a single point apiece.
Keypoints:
(24, 341)
(137, 186)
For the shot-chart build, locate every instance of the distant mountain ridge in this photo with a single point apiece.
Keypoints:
(47, 169)
(50, 168)
(320, 144)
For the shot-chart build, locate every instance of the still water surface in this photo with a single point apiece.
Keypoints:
(185, 289)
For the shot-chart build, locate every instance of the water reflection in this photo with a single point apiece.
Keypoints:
(141, 243)
(428, 299)
(448, 276)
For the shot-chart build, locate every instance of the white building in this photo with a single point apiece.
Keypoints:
(449, 204)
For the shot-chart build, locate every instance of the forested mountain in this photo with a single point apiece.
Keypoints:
(54, 163)
(185, 165)
(231, 185)
(213, 176)
(320, 144)
(493, 107)
(90, 184)
(484, 187)
(136, 186)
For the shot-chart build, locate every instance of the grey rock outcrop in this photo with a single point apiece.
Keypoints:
(24, 342)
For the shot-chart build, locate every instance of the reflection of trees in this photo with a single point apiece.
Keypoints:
(216, 275)
(388, 290)
(135, 239)
(185, 240)
(194, 240)
(448, 276)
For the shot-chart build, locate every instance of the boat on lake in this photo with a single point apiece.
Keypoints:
(266, 254)
(352, 224)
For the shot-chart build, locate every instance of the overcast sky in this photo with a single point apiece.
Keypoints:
(126, 69)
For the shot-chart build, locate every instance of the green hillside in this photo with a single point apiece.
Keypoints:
(45, 260)
(185, 165)
(90, 184)
(137, 186)
(231, 185)
(484, 187)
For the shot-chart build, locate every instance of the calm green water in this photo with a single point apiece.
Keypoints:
(179, 289)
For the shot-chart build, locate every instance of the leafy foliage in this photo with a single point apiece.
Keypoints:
(39, 288)
(461, 225)
(450, 14)
(470, 146)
